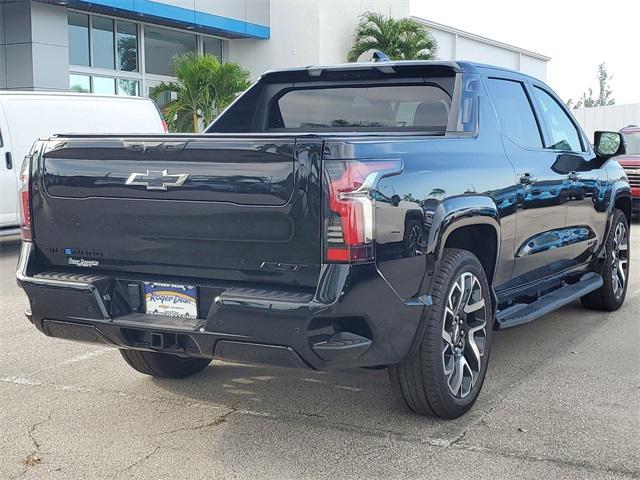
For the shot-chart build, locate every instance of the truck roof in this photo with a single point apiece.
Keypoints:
(392, 65)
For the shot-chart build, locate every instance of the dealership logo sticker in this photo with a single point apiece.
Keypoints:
(81, 262)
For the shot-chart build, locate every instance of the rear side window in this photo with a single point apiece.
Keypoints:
(424, 107)
(564, 134)
(515, 113)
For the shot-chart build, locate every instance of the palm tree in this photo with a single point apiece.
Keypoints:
(400, 39)
(204, 86)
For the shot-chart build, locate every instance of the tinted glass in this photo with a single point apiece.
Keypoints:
(212, 46)
(514, 112)
(103, 43)
(78, 39)
(161, 44)
(564, 135)
(127, 46)
(79, 83)
(419, 106)
(103, 85)
(128, 87)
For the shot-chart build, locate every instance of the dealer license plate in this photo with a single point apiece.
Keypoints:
(170, 299)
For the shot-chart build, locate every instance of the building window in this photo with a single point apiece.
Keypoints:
(161, 44)
(106, 54)
(104, 85)
(102, 42)
(79, 83)
(78, 39)
(128, 87)
(127, 46)
(213, 46)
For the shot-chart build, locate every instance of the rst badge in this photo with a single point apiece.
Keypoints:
(156, 179)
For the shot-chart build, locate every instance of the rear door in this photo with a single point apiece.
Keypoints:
(542, 191)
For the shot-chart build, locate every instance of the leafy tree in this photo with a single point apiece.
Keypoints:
(400, 39)
(204, 87)
(604, 92)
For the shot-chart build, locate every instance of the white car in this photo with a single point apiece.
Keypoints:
(27, 116)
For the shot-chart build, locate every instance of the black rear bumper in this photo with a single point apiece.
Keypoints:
(353, 319)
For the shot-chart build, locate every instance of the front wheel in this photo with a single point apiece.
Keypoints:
(444, 377)
(615, 272)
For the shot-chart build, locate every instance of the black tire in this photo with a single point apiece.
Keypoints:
(163, 364)
(420, 383)
(606, 298)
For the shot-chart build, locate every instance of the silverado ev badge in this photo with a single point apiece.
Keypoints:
(156, 180)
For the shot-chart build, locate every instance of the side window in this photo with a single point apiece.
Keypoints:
(564, 135)
(515, 113)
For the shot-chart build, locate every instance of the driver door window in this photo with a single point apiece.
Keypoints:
(562, 132)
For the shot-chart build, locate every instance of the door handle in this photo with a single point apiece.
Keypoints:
(574, 177)
(8, 160)
(527, 179)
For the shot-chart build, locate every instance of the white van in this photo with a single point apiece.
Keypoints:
(27, 116)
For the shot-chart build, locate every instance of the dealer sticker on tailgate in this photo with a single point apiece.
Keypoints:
(170, 299)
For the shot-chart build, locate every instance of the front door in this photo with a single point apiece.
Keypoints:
(586, 217)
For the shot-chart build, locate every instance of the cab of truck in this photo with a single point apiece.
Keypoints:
(631, 163)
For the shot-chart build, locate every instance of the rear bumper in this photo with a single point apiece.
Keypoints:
(249, 325)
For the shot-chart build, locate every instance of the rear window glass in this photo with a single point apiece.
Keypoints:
(423, 107)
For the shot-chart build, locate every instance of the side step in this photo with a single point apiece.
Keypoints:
(521, 313)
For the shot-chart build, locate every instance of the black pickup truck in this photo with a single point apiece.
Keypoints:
(386, 214)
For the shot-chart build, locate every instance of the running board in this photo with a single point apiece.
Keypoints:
(521, 313)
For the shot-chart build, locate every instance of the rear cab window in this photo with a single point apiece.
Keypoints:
(362, 107)
(420, 99)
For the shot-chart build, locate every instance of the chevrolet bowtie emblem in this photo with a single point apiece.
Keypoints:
(157, 180)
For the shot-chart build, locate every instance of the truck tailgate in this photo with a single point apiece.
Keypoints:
(234, 208)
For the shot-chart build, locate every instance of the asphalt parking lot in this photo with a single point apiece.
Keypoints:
(561, 400)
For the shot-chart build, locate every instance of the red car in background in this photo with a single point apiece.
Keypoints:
(631, 163)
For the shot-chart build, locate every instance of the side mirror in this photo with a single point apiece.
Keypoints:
(395, 200)
(609, 144)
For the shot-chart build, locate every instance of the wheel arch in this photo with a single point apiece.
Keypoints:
(469, 222)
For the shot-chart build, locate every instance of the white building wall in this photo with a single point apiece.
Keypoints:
(455, 44)
(611, 118)
(307, 32)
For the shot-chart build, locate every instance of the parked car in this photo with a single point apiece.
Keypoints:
(26, 116)
(631, 163)
(260, 241)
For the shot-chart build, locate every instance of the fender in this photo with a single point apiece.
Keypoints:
(451, 214)
(460, 211)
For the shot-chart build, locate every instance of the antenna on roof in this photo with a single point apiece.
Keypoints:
(379, 56)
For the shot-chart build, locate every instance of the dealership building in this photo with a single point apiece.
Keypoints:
(125, 46)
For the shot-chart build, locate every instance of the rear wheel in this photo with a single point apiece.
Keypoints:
(163, 364)
(615, 272)
(444, 377)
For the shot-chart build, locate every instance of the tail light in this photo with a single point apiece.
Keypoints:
(165, 126)
(25, 195)
(349, 209)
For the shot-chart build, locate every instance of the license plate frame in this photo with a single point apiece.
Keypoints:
(170, 299)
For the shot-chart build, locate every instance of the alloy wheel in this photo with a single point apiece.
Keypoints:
(619, 259)
(464, 334)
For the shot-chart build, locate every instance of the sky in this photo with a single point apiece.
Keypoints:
(577, 35)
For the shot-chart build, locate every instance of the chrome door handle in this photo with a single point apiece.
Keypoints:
(574, 177)
(527, 179)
